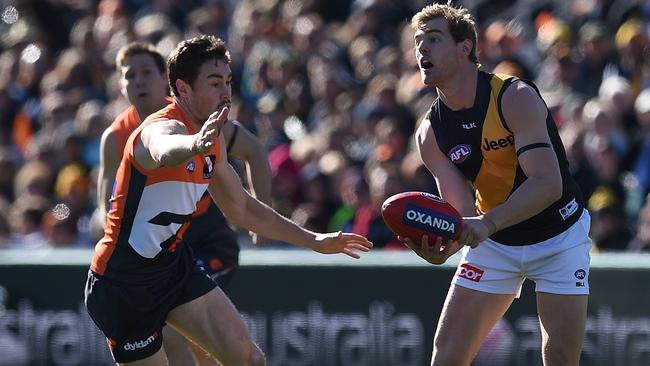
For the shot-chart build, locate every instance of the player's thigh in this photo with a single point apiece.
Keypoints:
(156, 359)
(213, 322)
(562, 319)
(177, 348)
(467, 317)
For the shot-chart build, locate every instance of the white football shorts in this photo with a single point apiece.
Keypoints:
(559, 265)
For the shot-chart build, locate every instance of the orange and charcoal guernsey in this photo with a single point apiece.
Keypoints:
(150, 210)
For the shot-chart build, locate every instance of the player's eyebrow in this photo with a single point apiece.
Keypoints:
(427, 31)
(219, 76)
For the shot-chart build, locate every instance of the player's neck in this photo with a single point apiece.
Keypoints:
(187, 110)
(144, 111)
(459, 91)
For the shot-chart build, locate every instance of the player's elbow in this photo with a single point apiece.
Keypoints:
(259, 157)
(552, 187)
(168, 159)
(238, 211)
(235, 215)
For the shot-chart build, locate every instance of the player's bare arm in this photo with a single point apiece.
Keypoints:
(245, 211)
(247, 147)
(525, 113)
(452, 186)
(168, 143)
(109, 161)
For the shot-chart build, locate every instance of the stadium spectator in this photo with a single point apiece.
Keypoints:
(641, 241)
(26, 217)
(608, 227)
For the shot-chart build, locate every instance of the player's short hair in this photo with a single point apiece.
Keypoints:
(136, 48)
(462, 24)
(184, 61)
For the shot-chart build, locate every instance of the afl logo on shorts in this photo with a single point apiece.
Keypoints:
(459, 153)
(190, 166)
(580, 274)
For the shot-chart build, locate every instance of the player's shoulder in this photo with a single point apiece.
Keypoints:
(424, 128)
(126, 121)
(521, 103)
(517, 90)
(109, 137)
(165, 125)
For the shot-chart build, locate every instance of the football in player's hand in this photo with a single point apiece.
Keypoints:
(414, 214)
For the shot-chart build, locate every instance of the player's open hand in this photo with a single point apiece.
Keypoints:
(206, 138)
(437, 253)
(339, 242)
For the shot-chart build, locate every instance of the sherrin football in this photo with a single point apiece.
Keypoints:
(413, 214)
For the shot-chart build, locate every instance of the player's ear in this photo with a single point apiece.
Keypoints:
(123, 89)
(465, 47)
(182, 87)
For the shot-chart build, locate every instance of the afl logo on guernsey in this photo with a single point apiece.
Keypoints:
(190, 166)
(459, 153)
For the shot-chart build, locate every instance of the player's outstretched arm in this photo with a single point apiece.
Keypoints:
(245, 211)
(249, 148)
(245, 146)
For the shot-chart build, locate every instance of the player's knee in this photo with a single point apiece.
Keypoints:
(250, 356)
(256, 357)
(448, 355)
(556, 354)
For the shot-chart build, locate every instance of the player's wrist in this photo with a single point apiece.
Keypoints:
(489, 223)
(194, 149)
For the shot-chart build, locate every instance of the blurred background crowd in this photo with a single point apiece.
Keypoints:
(333, 90)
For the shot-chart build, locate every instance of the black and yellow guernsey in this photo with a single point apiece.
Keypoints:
(478, 141)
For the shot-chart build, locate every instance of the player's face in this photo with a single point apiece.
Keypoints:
(436, 51)
(142, 83)
(212, 88)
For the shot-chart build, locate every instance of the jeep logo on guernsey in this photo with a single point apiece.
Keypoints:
(498, 144)
(459, 153)
(431, 221)
(470, 272)
(140, 344)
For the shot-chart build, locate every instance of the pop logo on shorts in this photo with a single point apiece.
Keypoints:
(470, 272)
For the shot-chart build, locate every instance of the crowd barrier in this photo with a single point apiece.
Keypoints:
(313, 310)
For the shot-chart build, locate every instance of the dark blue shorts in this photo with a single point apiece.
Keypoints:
(214, 244)
(132, 316)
